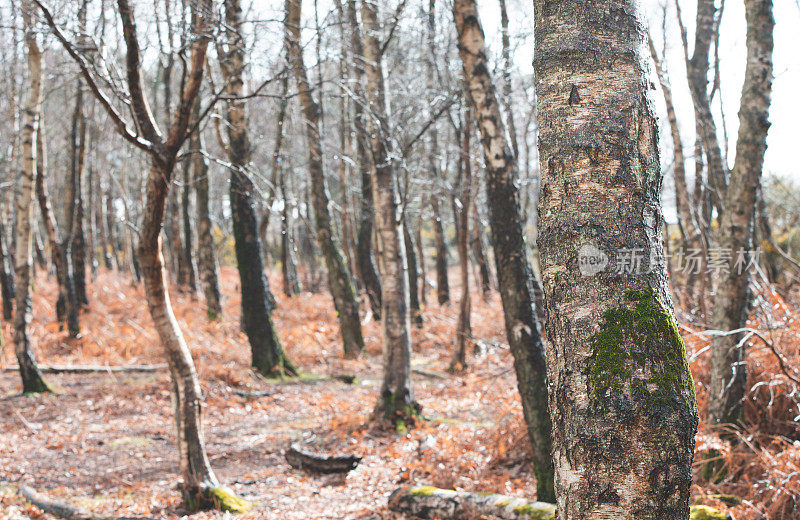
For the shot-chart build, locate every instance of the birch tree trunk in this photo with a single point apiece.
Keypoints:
(187, 244)
(396, 401)
(365, 255)
(622, 397)
(32, 380)
(462, 213)
(206, 255)
(514, 273)
(268, 356)
(732, 300)
(339, 279)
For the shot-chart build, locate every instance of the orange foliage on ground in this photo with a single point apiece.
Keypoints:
(108, 438)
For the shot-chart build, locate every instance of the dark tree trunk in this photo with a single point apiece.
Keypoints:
(339, 279)
(423, 276)
(622, 402)
(365, 256)
(413, 275)
(732, 300)
(6, 277)
(513, 270)
(73, 234)
(268, 356)
(480, 254)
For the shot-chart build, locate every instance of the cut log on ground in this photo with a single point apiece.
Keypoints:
(430, 502)
(301, 458)
(83, 369)
(67, 511)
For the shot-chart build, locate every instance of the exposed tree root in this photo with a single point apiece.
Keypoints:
(83, 369)
(67, 511)
(300, 458)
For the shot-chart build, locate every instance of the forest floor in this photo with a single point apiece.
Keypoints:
(106, 442)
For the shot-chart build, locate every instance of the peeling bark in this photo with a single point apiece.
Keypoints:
(622, 397)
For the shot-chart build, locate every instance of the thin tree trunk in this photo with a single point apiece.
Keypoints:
(110, 213)
(461, 213)
(188, 243)
(268, 356)
(365, 255)
(73, 232)
(67, 303)
(732, 301)
(32, 380)
(480, 254)
(423, 275)
(623, 404)
(6, 277)
(206, 255)
(339, 279)
(413, 275)
(396, 401)
(439, 241)
(291, 282)
(514, 273)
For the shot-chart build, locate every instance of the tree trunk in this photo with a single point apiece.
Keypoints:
(396, 401)
(480, 255)
(732, 300)
(461, 215)
(268, 356)
(32, 380)
(365, 256)
(423, 275)
(188, 243)
(73, 235)
(513, 270)
(291, 282)
(206, 255)
(439, 240)
(339, 279)
(623, 405)
(6, 277)
(413, 275)
(67, 303)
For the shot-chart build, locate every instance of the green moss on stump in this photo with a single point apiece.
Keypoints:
(706, 513)
(535, 513)
(639, 350)
(422, 491)
(224, 499)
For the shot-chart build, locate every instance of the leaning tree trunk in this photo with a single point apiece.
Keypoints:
(206, 256)
(396, 401)
(32, 380)
(513, 270)
(339, 279)
(731, 303)
(67, 304)
(623, 404)
(268, 356)
(365, 257)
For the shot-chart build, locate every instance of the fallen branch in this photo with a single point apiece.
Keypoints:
(428, 373)
(83, 369)
(66, 511)
(300, 458)
(445, 504)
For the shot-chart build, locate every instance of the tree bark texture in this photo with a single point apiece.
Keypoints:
(622, 397)
(513, 269)
(339, 279)
(732, 300)
(461, 214)
(187, 243)
(268, 356)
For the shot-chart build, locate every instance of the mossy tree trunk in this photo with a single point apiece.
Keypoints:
(396, 401)
(732, 300)
(514, 273)
(267, 352)
(32, 380)
(622, 401)
(339, 279)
